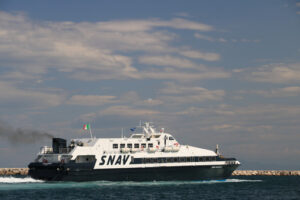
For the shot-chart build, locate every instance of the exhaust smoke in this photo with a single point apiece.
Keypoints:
(19, 136)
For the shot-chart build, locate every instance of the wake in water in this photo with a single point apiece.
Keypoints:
(11, 179)
(16, 180)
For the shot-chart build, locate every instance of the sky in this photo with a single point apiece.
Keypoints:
(209, 72)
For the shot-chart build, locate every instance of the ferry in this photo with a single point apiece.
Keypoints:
(147, 155)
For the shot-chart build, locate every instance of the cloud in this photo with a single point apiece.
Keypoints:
(221, 39)
(181, 94)
(274, 73)
(97, 50)
(132, 98)
(201, 55)
(120, 110)
(167, 61)
(144, 25)
(15, 96)
(208, 38)
(278, 92)
(91, 100)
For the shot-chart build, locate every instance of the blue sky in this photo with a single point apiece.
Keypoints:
(210, 72)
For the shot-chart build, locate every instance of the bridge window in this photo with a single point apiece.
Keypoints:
(122, 145)
(136, 146)
(129, 145)
(171, 138)
(115, 146)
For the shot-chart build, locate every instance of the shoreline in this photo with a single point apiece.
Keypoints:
(24, 171)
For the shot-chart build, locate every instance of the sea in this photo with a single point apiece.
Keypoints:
(237, 187)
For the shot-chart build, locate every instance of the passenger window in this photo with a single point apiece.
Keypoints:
(188, 159)
(143, 145)
(182, 159)
(137, 146)
(150, 145)
(171, 138)
(129, 145)
(115, 146)
(122, 145)
(175, 159)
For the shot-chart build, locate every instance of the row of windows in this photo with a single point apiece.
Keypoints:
(172, 160)
(143, 145)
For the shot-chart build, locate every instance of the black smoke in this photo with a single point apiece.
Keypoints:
(22, 136)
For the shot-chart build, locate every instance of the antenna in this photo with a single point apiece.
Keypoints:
(217, 150)
(90, 128)
(122, 134)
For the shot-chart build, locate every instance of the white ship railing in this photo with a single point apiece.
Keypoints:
(49, 150)
(46, 150)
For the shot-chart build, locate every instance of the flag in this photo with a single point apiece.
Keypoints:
(86, 127)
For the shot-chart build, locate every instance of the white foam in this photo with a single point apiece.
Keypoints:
(11, 179)
(241, 180)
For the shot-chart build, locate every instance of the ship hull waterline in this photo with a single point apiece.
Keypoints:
(69, 172)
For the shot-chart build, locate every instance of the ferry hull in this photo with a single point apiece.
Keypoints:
(85, 172)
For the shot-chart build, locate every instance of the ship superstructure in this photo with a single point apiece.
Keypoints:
(146, 155)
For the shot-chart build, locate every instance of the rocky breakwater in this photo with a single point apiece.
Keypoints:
(13, 171)
(265, 173)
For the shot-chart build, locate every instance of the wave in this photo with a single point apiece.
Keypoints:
(154, 183)
(17, 183)
(14, 180)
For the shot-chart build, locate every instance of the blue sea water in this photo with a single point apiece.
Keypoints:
(238, 187)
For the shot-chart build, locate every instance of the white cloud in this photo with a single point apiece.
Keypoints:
(274, 73)
(96, 50)
(14, 96)
(133, 98)
(180, 94)
(144, 25)
(120, 110)
(278, 92)
(167, 61)
(208, 38)
(91, 100)
(201, 55)
(221, 39)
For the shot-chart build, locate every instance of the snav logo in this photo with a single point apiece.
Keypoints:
(114, 160)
